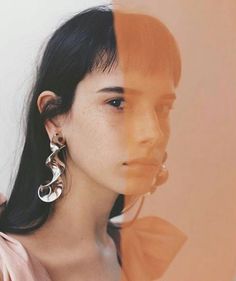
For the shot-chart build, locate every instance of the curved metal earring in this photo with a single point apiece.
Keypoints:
(160, 179)
(50, 191)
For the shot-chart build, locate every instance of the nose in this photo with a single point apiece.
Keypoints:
(149, 129)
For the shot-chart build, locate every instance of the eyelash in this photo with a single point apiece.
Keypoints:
(169, 106)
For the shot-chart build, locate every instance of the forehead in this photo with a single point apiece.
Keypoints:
(132, 80)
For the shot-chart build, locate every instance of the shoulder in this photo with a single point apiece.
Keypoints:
(3, 198)
(12, 256)
(16, 263)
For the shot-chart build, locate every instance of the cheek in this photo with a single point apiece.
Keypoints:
(94, 144)
(98, 152)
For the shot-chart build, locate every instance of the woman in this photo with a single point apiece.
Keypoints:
(102, 97)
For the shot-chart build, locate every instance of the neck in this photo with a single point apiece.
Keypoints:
(81, 214)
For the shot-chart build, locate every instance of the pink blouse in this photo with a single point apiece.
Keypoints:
(17, 264)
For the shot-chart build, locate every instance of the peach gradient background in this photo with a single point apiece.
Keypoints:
(200, 195)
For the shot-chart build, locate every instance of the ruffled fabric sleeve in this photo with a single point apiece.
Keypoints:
(16, 264)
(148, 247)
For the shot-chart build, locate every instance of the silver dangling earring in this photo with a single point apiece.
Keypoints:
(160, 179)
(53, 189)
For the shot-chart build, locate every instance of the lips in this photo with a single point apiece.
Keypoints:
(143, 161)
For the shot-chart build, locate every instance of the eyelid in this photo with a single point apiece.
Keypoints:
(116, 98)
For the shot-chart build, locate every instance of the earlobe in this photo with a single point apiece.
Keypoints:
(51, 128)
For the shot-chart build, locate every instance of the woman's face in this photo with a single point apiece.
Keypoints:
(115, 118)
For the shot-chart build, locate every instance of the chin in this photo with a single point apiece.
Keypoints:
(136, 188)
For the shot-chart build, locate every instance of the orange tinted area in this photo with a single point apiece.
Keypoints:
(150, 61)
(186, 229)
(145, 44)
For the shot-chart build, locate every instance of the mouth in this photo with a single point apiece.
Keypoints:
(143, 162)
(140, 171)
(139, 168)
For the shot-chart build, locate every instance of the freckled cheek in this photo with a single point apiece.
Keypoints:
(97, 136)
(97, 140)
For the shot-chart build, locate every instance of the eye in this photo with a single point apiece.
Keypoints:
(164, 110)
(116, 103)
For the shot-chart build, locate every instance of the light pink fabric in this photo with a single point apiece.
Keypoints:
(17, 264)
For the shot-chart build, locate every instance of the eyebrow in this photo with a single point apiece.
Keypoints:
(118, 90)
(122, 90)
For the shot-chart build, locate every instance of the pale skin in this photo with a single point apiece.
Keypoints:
(99, 139)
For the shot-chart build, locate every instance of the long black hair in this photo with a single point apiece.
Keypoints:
(85, 42)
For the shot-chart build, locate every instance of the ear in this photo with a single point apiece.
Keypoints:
(52, 126)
